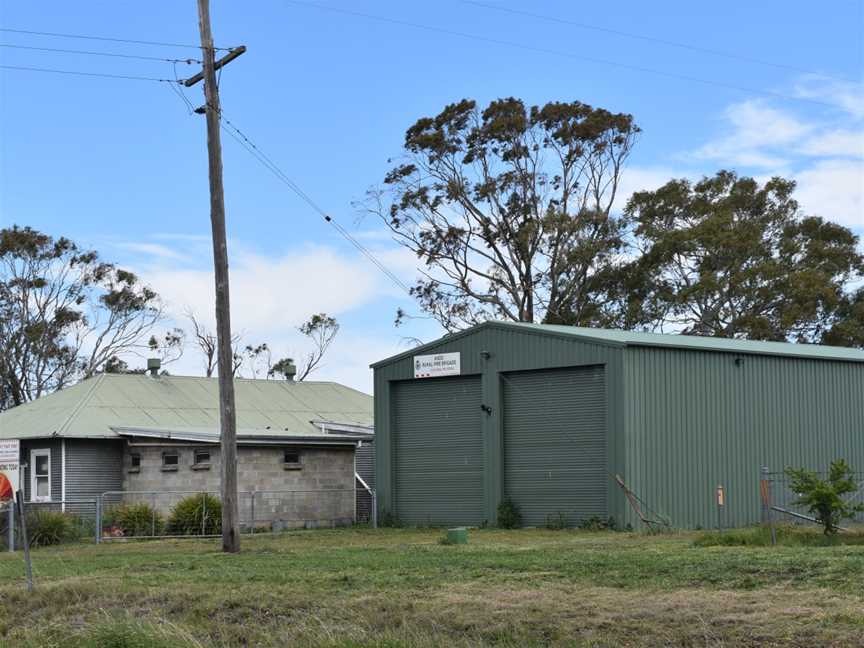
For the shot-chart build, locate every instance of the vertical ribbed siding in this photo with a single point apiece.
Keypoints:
(93, 467)
(696, 420)
(438, 451)
(507, 350)
(555, 444)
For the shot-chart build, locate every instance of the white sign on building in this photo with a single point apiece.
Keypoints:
(10, 454)
(440, 364)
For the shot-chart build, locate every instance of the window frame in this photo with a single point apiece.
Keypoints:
(292, 465)
(170, 467)
(201, 465)
(39, 452)
(133, 467)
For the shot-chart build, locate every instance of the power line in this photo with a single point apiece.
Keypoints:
(111, 54)
(554, 52)
(271, 166)
(104, 38)
(650, 39)
(87, 74)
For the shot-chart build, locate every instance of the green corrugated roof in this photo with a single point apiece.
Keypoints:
(621, 338)
(92, 407)
(638, 338)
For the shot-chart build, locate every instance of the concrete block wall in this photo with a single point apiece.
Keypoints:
(320, 492)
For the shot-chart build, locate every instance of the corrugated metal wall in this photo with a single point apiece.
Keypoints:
(697, 420)
(508, 350)
(93, 467)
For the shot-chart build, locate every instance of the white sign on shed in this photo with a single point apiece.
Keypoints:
(440, 364)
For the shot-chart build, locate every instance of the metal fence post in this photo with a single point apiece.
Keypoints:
(153, 516)
(25, 542)
(252, 513)
(374, 508)
(770, 505)
(203, 513)
(98, 504)
(10, 532)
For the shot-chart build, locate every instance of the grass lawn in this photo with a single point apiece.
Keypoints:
(393, 587)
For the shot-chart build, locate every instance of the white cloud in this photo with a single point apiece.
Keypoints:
(823, 150)
(757, 136)
(834, 189)
(839, 142)
(272, 294)
(844, 95)
(153, 250)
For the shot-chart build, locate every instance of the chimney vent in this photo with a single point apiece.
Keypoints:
(290, 371)
(153, 365)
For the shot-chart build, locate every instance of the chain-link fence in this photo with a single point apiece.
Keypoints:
(143, 514)
(150, 514)
(780, 501)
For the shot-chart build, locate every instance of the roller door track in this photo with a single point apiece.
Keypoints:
(438, 448)
(555, 444)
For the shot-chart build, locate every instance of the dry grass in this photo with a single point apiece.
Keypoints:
(401, 588)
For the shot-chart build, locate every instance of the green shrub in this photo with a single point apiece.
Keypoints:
(596, 523)
(389, 520)
(556, 521)
(45, 528)
(509, 515)
(133, 520)
(827, 499)
(196, 515)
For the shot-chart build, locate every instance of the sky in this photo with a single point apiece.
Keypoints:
(327, 90)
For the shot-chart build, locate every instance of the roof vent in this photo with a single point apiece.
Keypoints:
(153, 365)
(290, 370)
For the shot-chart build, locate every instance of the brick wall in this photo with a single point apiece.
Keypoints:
(318, 492)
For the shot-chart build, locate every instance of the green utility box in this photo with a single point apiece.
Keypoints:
(458, 535)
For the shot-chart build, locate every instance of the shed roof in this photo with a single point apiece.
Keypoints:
(620, 338)
(93, 407)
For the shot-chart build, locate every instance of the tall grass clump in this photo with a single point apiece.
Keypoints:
(196, 515)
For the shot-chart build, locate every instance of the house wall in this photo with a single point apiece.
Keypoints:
(318, 493)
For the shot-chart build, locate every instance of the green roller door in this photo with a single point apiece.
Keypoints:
(438, 450)
(555, 443)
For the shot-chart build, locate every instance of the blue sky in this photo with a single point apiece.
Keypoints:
(121, 165)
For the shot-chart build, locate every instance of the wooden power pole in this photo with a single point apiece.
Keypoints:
(227, 412)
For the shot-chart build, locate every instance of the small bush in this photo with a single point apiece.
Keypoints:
(596, 523)
(133, 520)
(389, 520)
(509, 516)
(196, 515)
(45, 528)
(827, 499)
(556, 521)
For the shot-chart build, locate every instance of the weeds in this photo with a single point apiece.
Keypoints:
(787, 536)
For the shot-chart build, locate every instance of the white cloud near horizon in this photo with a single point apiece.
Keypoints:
(272, 294)
(822, 150)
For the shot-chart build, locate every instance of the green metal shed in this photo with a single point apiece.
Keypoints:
(548, 415)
